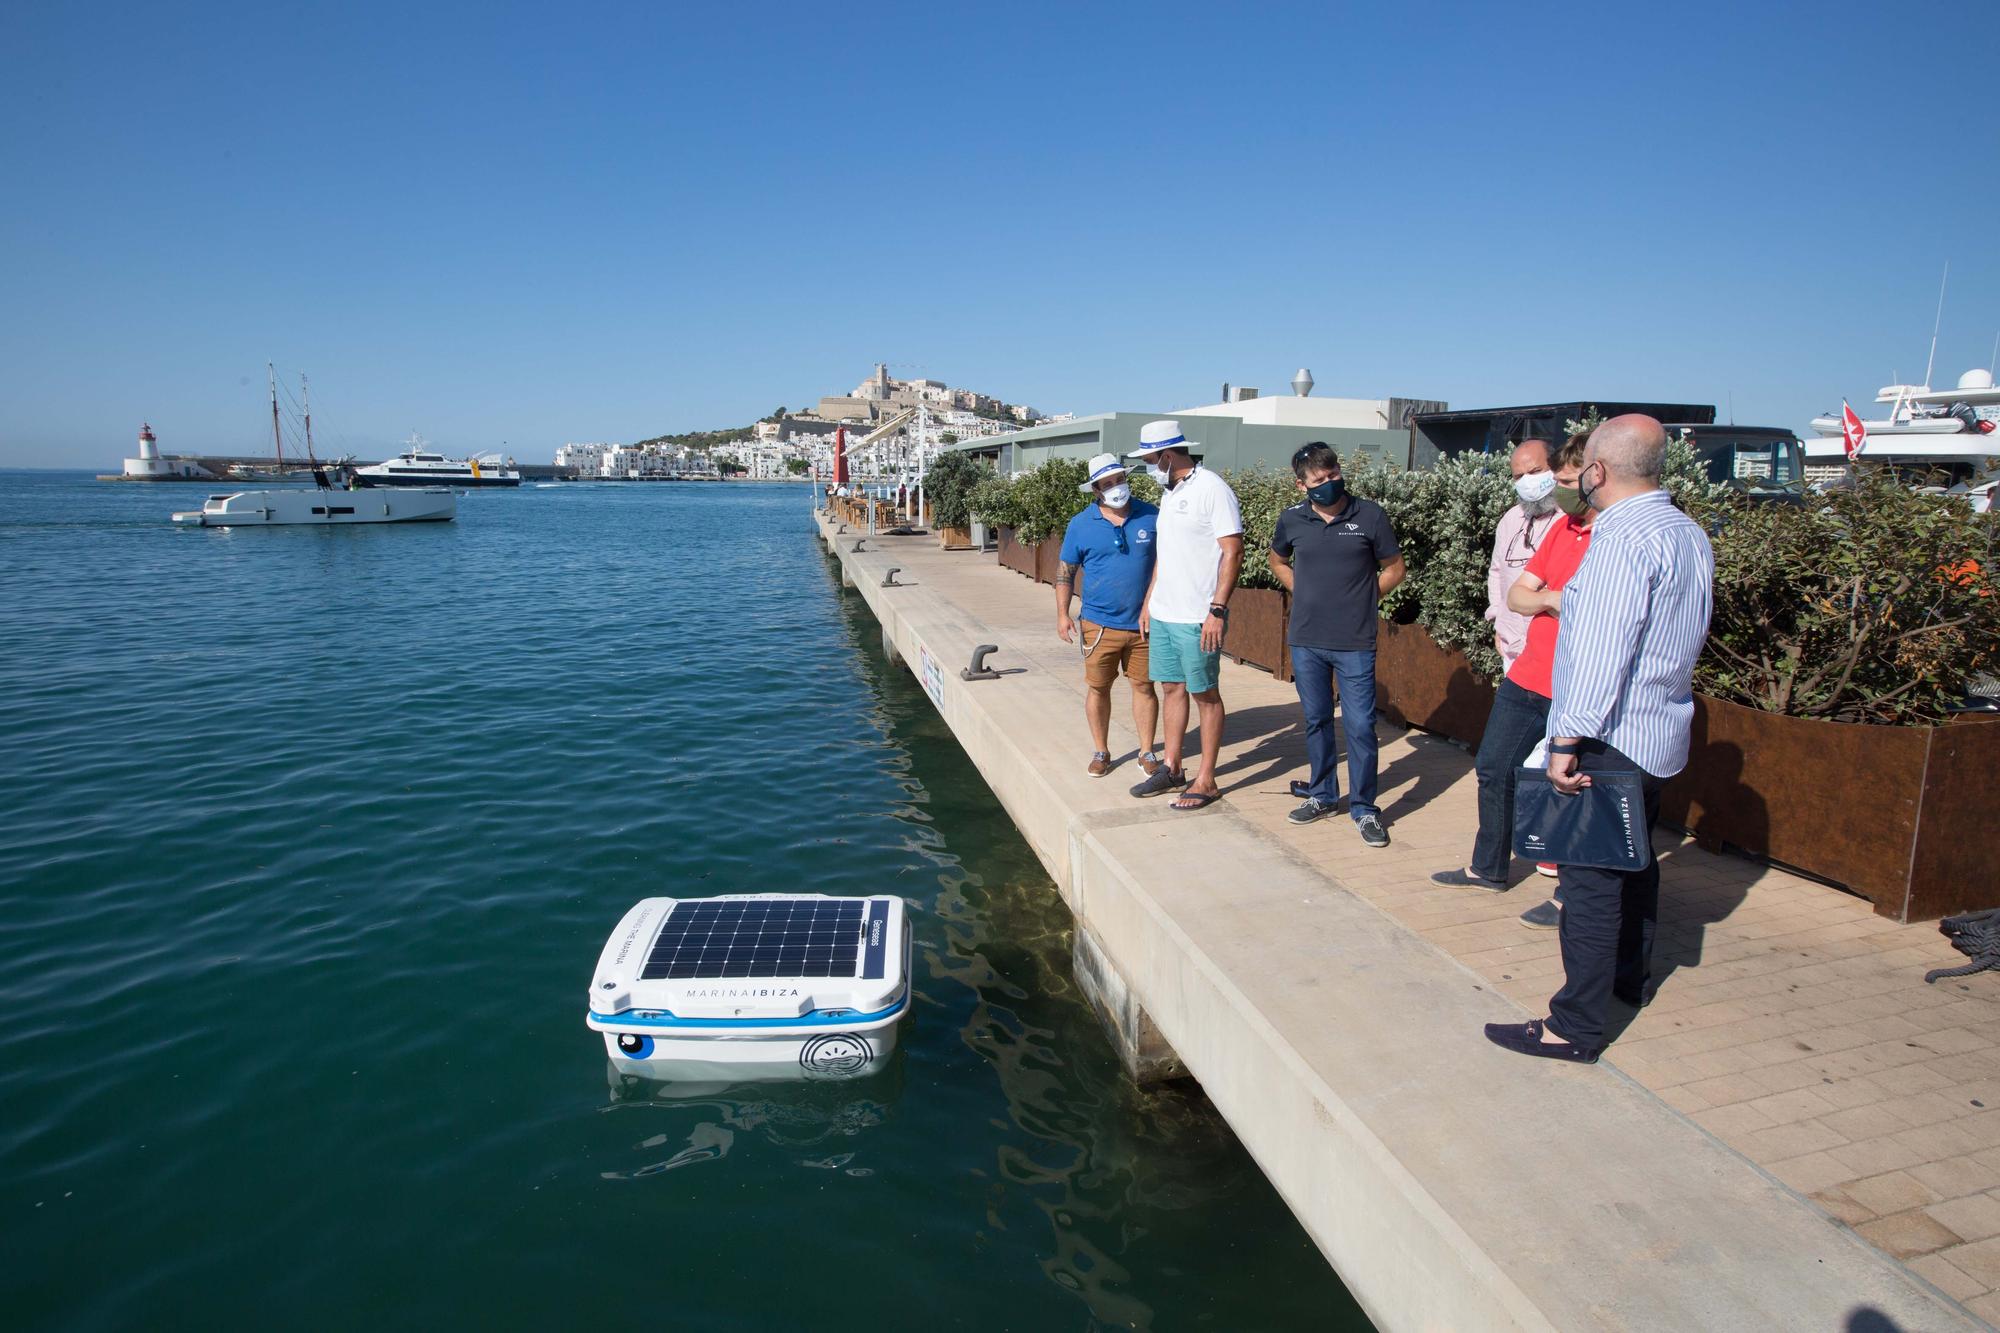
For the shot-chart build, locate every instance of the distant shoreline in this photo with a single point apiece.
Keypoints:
(529, 472)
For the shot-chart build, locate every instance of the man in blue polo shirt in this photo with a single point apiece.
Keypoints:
(1111, 544)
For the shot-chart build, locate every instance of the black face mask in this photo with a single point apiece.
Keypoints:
(1327, 493)
(1588, 494)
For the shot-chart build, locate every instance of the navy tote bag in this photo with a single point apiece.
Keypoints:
(1603, 825)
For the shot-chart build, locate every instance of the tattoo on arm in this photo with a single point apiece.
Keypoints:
(1065, 573)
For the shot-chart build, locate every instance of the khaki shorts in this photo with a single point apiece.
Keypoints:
(1111, 649)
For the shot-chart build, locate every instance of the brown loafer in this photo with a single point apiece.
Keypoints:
(1151, 763)
(1100, 764)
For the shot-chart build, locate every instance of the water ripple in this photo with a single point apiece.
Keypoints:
(312, 838)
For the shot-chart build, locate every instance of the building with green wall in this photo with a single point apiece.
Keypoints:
(1225, 443)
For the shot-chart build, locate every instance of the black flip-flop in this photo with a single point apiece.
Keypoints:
(1202, 800)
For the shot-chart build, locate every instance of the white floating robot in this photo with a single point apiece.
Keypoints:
(771, 983)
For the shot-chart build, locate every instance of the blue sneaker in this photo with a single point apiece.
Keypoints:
(1311, 810)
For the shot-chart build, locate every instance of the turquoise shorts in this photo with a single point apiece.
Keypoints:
(1176, 655)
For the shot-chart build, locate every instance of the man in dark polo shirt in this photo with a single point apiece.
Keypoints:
(1337, 556)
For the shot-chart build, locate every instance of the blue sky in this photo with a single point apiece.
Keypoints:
(530, 224)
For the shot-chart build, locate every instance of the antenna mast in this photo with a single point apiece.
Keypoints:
(276, 438)
(1934, 326)
(306, 406)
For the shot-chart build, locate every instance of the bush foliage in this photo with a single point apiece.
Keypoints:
(1867, 604)
(992, 501)
(1037, 503)
(1870, 604)
(948, 487)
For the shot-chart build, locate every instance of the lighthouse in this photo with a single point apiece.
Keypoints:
(150, 466)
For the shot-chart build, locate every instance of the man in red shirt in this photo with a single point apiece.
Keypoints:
(1521, 704)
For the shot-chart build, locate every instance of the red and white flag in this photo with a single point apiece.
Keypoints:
(1852, 430)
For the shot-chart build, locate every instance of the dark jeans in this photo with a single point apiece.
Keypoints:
(1607, 923)
(1518, 719)
(1314, 671)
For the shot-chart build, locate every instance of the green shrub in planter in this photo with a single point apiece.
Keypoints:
(1262, 494)
(1870, 604)
(1443, 517)
(1038, 503)
(948, 485)
(992, 502)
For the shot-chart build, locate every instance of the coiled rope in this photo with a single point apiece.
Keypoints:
(1975, 934)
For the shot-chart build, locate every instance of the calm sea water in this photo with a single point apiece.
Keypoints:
(311, 839)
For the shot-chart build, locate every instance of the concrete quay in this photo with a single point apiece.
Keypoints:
(1792, 1136)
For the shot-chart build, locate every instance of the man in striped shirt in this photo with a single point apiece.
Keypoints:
(1635, 616)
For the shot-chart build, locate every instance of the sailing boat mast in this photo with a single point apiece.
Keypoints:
(271, 373)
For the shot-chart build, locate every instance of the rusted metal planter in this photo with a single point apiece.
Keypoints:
(1048, 556)
(1015, 555)
(1904, 816)
(1257, 630)
(1420, 684)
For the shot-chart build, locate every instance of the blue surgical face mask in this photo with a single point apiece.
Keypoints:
(1327, 492)
(1116, 496)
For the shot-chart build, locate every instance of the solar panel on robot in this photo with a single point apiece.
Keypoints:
(805, 980)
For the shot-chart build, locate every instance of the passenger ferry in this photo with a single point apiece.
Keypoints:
(421, 465)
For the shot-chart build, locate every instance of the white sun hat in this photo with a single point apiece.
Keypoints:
(1157, 435)
(1102, 466)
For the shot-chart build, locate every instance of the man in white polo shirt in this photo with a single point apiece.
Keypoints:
(1200, 540)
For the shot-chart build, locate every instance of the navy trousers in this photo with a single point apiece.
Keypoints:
(1517, 722)
(1607, 922)
(1314, 671)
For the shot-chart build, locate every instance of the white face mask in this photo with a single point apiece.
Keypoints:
(1158, 473)
(1116, 496)
(1535, 487)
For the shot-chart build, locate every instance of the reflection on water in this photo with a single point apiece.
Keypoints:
(706, 1104)
(1088, 1131)
(1129, 1185)
(673, 1080)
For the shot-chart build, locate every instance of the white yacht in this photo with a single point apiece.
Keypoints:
(1944, 435)
(321, 504)
(323, 507)
(421, 465)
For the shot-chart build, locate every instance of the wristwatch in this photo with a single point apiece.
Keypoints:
(1219, 612)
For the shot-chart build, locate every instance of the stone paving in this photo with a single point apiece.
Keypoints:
(1790, 1022)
